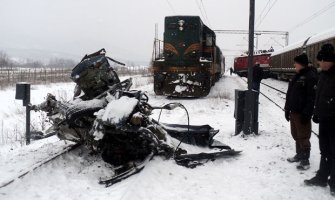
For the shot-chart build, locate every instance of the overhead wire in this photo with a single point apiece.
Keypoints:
(203, 7)
(262, 19)
(267, 8)
(171, 6)
(278, 43)
(313, 16)
(201, 12)
(261, 14)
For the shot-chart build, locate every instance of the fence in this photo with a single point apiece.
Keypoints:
(132, 70)
(10, 76)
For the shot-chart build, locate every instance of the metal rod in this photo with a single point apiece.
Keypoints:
(28, 114)
(27, 125)
(250, 124)
(251, 43)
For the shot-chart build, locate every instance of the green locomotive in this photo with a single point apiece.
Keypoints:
(190, 62)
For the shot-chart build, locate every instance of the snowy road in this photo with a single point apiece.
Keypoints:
(261, 172)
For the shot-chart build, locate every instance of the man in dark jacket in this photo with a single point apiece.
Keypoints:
(231, 71)
(257, 77)
(324, 114)
(299, 109)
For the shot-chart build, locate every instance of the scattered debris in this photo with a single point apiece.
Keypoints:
(115, 122)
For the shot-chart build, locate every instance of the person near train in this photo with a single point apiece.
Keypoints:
(324, 114)
(257, 77)
(299, 109)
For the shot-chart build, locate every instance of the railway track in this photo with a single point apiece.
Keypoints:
(39, 164)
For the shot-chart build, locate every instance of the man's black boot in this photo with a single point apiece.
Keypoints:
(321, 177)
(297, 157)
(316, 181)
(304, 163)
(332, 191)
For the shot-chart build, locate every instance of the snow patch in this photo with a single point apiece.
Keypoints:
(90, 103)
(98, 135)
(175, 82)
(180, 88)
(117, 110)
(204, 60)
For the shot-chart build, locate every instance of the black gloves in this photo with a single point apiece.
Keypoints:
(305, 119)
(315, 119)
(287, 115)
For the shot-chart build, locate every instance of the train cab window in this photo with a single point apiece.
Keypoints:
(209, 40)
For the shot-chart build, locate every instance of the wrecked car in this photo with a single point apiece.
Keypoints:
(114, 121)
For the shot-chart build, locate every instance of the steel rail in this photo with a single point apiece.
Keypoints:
(40, 164)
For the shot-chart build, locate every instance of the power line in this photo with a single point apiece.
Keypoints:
(277, 42)
(261, 20)
(203, 16)
(171, 6)
(247, 32)
(260, 15)
(203, 6)
(316, 14)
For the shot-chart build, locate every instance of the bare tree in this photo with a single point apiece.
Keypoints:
(32, 64)
(4, 59)
(61, 63)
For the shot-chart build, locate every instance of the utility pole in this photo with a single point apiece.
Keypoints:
(251, 43)
(251, 98)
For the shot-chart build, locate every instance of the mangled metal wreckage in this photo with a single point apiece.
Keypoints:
(115, 121)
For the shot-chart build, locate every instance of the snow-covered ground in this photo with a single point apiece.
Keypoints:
(260, 172)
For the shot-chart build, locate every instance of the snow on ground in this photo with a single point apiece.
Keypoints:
(19, 160)
(12, 113)
(260, 172)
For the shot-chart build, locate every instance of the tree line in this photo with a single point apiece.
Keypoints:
(8, 63)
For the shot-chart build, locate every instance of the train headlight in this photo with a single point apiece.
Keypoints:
(181, 24)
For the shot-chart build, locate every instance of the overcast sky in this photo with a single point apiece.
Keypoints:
(71, 28)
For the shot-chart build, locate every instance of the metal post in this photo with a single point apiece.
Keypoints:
(28, 124)
(26, 102)
(251, 102)
(23, 93)
(286, 38)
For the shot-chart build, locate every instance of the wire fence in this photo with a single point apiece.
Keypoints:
(10, 76)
